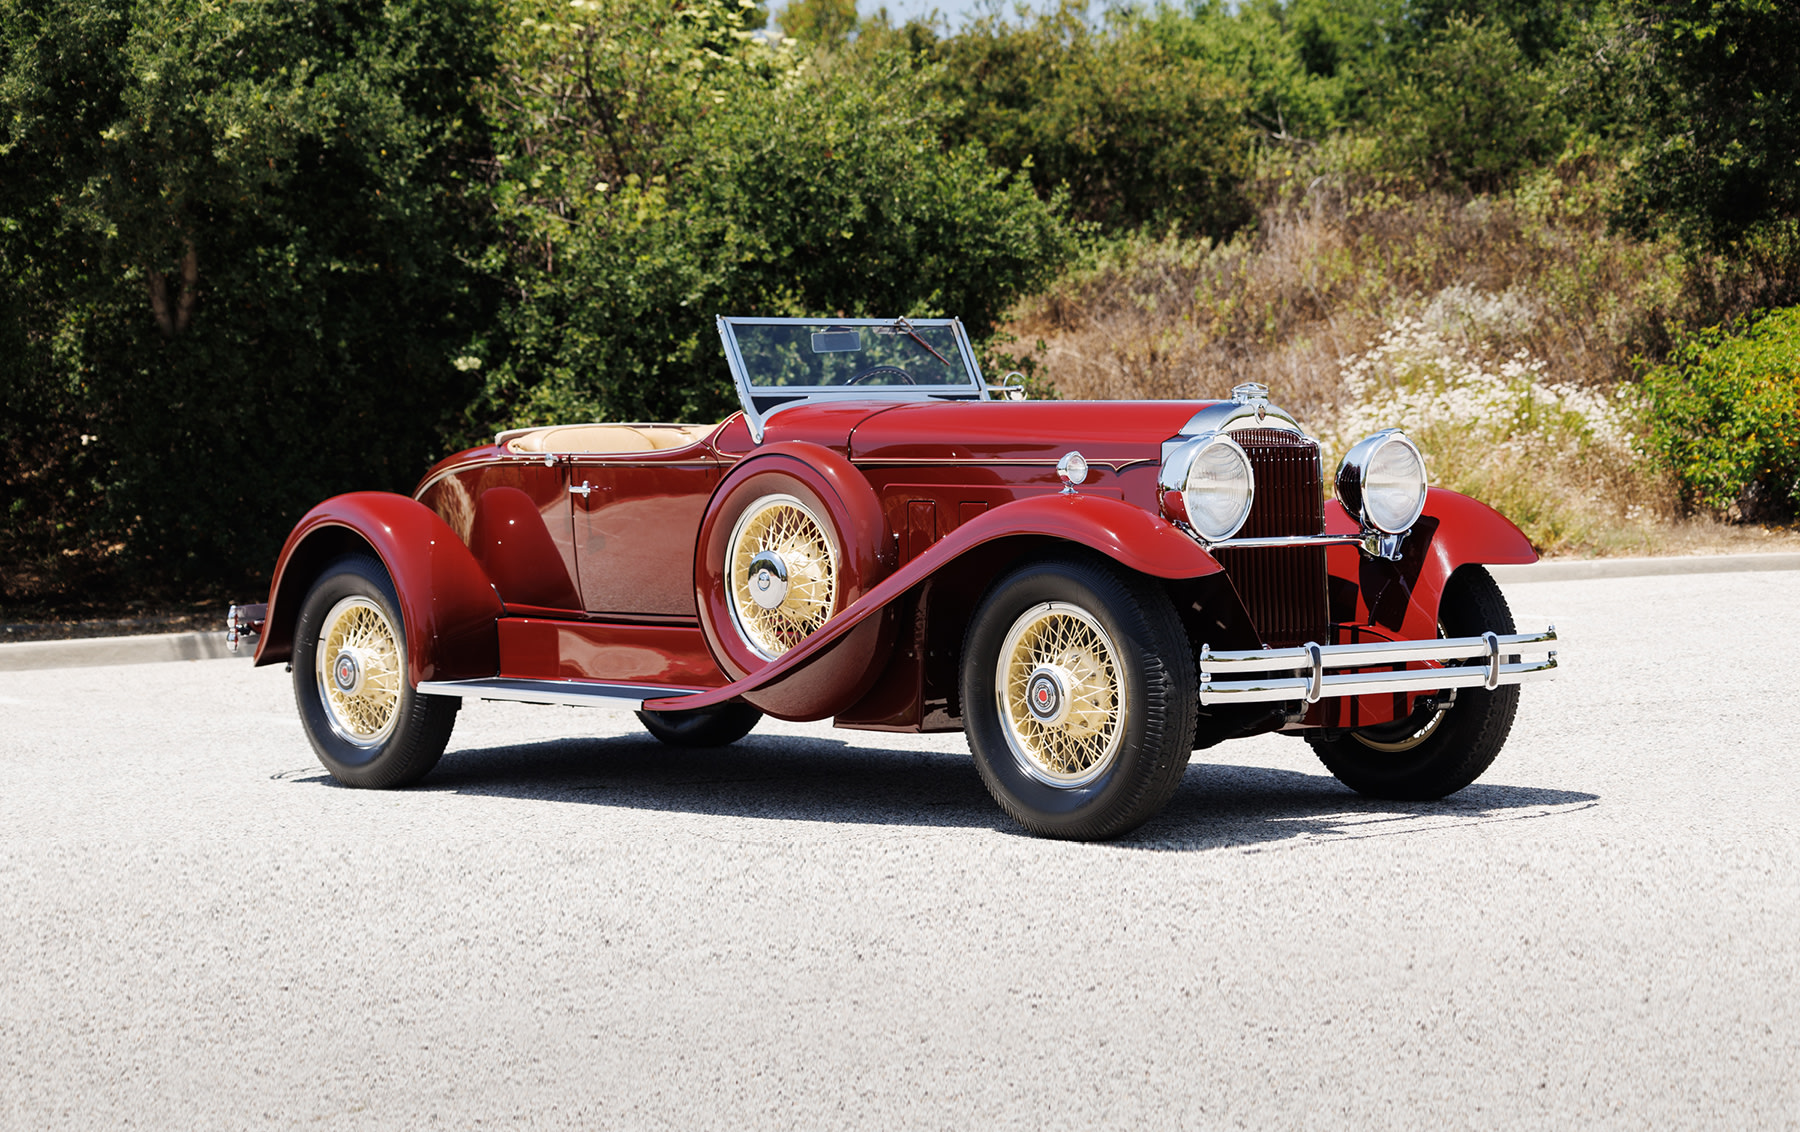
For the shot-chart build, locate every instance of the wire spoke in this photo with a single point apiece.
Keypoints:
(1066, 644)
(357, 628)
(782, 526)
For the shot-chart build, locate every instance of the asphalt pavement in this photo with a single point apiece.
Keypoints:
(568, 925)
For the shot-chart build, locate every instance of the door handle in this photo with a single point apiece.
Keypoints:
(584, 490)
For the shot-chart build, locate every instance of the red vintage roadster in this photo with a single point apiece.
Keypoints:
(1091, 591)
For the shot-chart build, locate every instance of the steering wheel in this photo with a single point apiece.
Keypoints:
(882, 371)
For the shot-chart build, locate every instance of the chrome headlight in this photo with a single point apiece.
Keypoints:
(1207, 483)
(1382, 482)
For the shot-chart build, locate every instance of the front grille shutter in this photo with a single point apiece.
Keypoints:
(1283, 588)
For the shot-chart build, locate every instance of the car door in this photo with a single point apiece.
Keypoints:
(636, 523)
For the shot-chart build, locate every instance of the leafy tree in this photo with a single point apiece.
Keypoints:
(1711, 91)
(1258, 45)
(819, 22)
(241, 259)
(1540, 30)
(1138, 132)
(1470, 111)
(767, 190)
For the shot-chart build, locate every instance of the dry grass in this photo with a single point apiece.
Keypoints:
(1327, 271)
(1521, 316)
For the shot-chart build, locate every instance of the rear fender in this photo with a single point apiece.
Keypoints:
(1402, 597)
(1124, 532)
(449, 606)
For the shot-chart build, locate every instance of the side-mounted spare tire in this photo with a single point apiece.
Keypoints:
(793, 537)
(366, 722)
(718, 726)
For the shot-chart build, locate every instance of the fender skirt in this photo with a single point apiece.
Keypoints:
(1122, 531)
(449, 606)
(1401, 598)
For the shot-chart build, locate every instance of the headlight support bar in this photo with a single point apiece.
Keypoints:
(1373, 543)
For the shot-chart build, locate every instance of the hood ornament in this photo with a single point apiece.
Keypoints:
(1254, 394)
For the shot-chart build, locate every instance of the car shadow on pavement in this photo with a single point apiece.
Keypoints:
(788, 778)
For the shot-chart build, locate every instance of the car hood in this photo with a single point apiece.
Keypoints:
(1013, 431)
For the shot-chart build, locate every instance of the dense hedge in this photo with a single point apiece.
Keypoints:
(1726, 417)
(260, 251)
(239, 265)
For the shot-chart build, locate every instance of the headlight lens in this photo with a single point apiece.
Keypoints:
(1215, 485)
(1382, 482)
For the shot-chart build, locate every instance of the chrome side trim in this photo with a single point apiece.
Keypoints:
(515, 460)
(575, 693)
(985, 462)
(1302, 674)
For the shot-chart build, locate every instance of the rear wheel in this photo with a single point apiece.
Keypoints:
(1450, 738)
(718, 726)
(367, 724)
(1079, 697)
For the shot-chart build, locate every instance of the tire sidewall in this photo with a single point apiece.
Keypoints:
(1472, 731)
(852, 525)
(1037, 803)
(718, 726)
(347, 762)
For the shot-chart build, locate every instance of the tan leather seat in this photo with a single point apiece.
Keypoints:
(607, 439)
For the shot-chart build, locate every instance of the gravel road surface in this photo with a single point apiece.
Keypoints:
(817, 928)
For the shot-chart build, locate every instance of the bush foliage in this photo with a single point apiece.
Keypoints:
(260, 251)
(756, 186)
(1725, 412)
(238, 257)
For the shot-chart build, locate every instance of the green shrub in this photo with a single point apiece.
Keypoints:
(755, 187)
(1138, 131)
(1469, 111)
(1726, 416)
(239, 257)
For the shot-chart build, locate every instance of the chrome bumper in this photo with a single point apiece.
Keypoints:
(1305, 673)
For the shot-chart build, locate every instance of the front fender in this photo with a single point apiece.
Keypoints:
(1402, 597)
(1126, 533)
(449, 606)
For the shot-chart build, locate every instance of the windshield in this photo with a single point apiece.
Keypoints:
(861, 353)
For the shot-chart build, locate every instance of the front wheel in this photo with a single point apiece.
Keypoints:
(1451, 737)
(367, 724)
(1079, 697)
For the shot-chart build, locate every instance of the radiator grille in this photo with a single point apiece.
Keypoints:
(1283, 589)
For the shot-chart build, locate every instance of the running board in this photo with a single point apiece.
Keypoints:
(575, 693)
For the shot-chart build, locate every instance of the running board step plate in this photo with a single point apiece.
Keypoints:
(575, 693)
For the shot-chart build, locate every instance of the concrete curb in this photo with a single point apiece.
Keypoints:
(92, 652)
(1643, 567)
(161, 648)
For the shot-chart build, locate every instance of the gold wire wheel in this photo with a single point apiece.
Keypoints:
(359, 672)
(783, 574)
(1061, 693)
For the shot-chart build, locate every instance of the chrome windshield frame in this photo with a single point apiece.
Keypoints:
(762, 402)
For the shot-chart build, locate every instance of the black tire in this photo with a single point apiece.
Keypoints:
(413, 730)
(1447, 742)
(1139, 755)
(718, 726)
